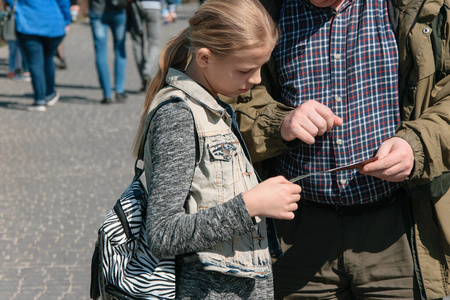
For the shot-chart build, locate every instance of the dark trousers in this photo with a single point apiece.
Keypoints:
(39, 52)
(336, 256)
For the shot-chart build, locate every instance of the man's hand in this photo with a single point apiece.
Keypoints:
(307, 121)
(395, 162)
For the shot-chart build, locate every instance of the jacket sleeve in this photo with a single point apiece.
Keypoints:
(429, 136)
(259, 117)
(425, 95)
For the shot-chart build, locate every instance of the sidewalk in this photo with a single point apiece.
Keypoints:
(61, 171)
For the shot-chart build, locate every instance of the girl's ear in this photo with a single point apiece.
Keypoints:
(202, 57)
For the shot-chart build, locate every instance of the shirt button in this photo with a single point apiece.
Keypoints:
(338, 98)
(337, 56)
(339, 141)
(338, 15)
(343, 181)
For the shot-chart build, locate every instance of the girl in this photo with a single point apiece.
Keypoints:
(206, 206)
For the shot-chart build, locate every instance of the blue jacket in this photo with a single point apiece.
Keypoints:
(47, 18)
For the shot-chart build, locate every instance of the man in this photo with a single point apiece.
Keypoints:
(104, 14)
(145, 29)
(357, 79)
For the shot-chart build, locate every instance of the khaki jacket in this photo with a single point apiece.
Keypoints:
(423, 33)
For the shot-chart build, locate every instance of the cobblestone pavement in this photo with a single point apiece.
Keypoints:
(61, 171)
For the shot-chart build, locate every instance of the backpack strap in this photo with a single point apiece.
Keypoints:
(147, 127)
(123, 219)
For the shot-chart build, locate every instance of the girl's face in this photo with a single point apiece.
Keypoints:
(233, 75)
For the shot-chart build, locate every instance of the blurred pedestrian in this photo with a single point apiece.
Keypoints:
(17, 64)
(170, 12)
(145, 29)
(40, 28)
(106, 14)
(74, 9)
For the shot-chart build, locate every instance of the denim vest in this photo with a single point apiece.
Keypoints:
(222, 172)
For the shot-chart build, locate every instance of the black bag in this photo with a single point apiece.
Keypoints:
(8, 24)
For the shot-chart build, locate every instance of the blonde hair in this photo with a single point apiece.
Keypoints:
(225, 27)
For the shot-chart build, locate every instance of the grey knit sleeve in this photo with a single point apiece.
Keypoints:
(171, 231)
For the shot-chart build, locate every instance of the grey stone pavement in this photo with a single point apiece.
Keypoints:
(61, 171)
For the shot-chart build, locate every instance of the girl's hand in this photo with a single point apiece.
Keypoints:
(275, 197)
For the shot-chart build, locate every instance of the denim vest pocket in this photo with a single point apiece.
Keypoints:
(223, 151)
(223, 157)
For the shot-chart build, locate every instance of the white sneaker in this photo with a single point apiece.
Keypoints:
(26, 78)
(34, 107)
(53, 101)
(21, 78)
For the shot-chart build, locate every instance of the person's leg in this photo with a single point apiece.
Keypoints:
(100, 36)
(311, 267)
(333, 256)
(118, 27)
(50, 46)
(61, 57)
(138, 50)
(26, 69)
(12, 48)
(21, 63)
(18, 62)
(378, 254)
(172, 6)
(153, 22)
(34, 53)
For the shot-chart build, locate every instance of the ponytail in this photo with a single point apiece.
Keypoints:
(175, 54)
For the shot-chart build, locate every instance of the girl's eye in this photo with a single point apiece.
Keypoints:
(245, 72)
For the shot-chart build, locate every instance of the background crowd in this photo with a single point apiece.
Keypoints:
(38, 46)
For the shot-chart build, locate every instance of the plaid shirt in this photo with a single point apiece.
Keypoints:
(347, 60)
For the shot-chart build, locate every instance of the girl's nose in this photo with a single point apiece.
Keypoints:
(255, 78)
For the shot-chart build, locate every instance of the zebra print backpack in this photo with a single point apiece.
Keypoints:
(122, 265)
